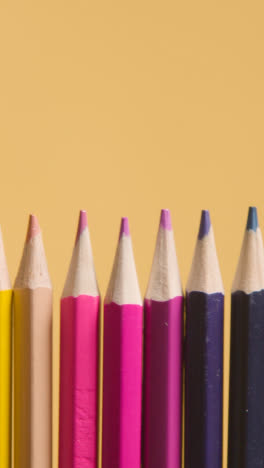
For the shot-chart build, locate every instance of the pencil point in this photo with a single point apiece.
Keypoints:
(205, 224)
(252, 221)
(205, 275)
(165, 219)
(123, 287)
(82, 223)
(33, 227)
(124, 228)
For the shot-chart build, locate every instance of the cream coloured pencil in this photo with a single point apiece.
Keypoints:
(32, 355)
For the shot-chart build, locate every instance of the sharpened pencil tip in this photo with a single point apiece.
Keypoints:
(33, 227)
(165, 219)
(252, 220)
(83, 223)
(205, 224)
(124, 228)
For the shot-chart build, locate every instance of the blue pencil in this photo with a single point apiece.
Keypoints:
(204, 355)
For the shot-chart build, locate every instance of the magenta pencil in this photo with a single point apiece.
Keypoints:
(163, 355)
(122, 379)
(80, 305)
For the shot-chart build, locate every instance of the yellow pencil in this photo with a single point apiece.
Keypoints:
(5, 361)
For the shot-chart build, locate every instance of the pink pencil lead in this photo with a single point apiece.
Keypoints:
(165, 219)
(124, 228)
(82, 223)
(33, 227)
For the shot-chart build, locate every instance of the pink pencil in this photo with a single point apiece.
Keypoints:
(163, 355)
(122, 379)
(80, 305)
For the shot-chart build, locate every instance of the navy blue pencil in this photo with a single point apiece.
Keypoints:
(246, 394)
(204, 355)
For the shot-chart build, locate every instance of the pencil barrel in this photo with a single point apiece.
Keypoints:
(204, 380)
(246, 410)
(79, 382)
(162, 383)
(32, 378)
(122, 386)
(5, 378)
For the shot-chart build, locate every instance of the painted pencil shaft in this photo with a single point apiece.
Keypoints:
(246, 414)
(5, 378)
(33, 356)
(32, 378)
(162, 383)
(122, 371)
(79, 382)
(203, 380)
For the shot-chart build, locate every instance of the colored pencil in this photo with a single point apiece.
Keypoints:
(80, 307)
(246, 408)
(5, 361)
(122, 378)
(32, 355)
(204, 354)
(163, 355)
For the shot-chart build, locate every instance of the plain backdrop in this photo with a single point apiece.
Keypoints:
(124, 108)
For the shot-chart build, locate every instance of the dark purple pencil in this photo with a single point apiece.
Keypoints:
(246, 390)
(204, 355)
(163, 355)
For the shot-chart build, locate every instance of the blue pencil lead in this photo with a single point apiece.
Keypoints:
(205, 224)
(252, 221)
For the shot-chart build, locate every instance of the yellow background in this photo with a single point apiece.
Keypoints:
(123, 108)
